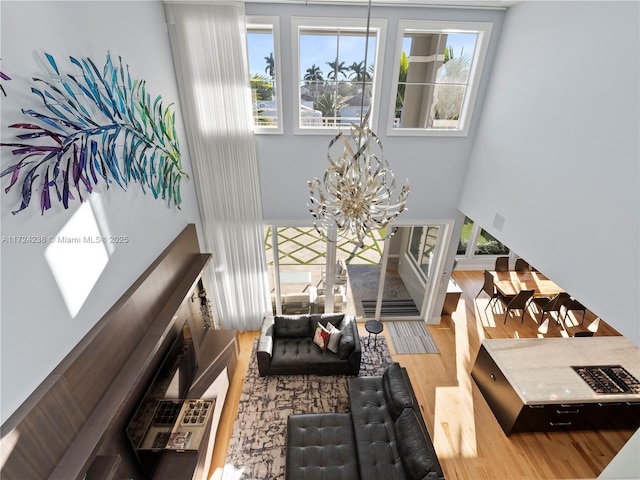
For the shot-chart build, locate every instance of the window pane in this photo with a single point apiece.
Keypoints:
(262, 67)
(489, 245)
(435, 68)
(423, 243)
(467, 229)
(457, 58)
(447, 105)
(332, 71)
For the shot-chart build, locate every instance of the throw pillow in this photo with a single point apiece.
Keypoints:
(413, 447)
(321, 337)
(334, 338)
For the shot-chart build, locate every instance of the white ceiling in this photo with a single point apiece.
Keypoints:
(405, 3)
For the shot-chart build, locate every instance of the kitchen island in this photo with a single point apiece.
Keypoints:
(541, 384)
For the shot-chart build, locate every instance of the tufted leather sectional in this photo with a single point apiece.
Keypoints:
(285, 346)
(384, 437)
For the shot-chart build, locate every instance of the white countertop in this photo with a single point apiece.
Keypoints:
(539, 369)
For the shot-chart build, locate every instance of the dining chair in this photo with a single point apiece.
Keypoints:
(548, 305)
(518, 302)
(502, 264)
(522, 265)
(576, 306)
(489, 288)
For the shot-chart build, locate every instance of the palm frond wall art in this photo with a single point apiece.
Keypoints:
(96, 127)
(4, 76)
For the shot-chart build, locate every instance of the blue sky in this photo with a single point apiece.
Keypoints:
(319, 49)
(314, 49)
(260, 45)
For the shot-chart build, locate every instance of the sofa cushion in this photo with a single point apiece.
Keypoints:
(396, 390)
(300, 355)
(325, 318)
(378, 455)
(292, 326)
(413, 447)
(321, 446)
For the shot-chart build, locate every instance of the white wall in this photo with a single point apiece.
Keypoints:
(37, 328)
(557, 151)
(434, 166)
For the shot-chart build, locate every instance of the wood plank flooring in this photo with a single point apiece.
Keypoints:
(469, 442)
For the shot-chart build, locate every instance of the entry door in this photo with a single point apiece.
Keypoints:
(421, 263)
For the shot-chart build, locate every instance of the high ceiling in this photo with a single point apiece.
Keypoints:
(406, 3)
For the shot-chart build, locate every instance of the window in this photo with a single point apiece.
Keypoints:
(465, 235)
(330, 71)
(487, 244)
(264, 69)
(482, 242)
(422, 247)
(438, 67)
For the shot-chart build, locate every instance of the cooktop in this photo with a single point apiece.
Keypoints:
(608, 379)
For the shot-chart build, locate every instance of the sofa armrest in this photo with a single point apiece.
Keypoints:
(355, 357)
(265, 345)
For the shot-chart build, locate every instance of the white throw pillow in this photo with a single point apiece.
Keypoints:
(334, 338)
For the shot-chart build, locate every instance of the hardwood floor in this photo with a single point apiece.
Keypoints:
(469, 442)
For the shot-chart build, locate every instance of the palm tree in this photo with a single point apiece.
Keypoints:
(314, 77)
(358, 72)
(262, 87)
(402, 82)
(314, 74)
(330, 104)
(356, 69)
(271, 65)
(448, 99)
(336, 69)
(456, 69)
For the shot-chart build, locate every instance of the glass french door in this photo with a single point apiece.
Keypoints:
(390, 278)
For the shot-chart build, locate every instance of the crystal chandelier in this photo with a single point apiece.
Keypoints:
(355, 195)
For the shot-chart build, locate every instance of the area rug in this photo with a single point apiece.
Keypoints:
(411, 337)
(258, 443)
(391, 308)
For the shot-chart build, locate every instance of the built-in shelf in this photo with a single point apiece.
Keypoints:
(72, 426)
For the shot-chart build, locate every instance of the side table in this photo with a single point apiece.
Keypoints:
(374, 327)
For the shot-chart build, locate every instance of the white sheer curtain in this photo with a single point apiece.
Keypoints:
(208, 47)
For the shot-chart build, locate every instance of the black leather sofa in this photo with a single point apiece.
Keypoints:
(286, 347)
(383, 437)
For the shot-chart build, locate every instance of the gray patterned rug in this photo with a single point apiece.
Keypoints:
(411, 337)
(257, 446)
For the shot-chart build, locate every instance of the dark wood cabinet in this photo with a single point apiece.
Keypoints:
(515, 414)
(73, 425)
(452, 297)
(570, 416)
(174, 424)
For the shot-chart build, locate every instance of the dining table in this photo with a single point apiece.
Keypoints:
(510, 283)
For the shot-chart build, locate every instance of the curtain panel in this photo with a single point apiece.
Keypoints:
(209, 55)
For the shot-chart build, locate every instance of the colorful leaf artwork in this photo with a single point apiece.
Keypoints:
(95, 127)
(3, 76)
